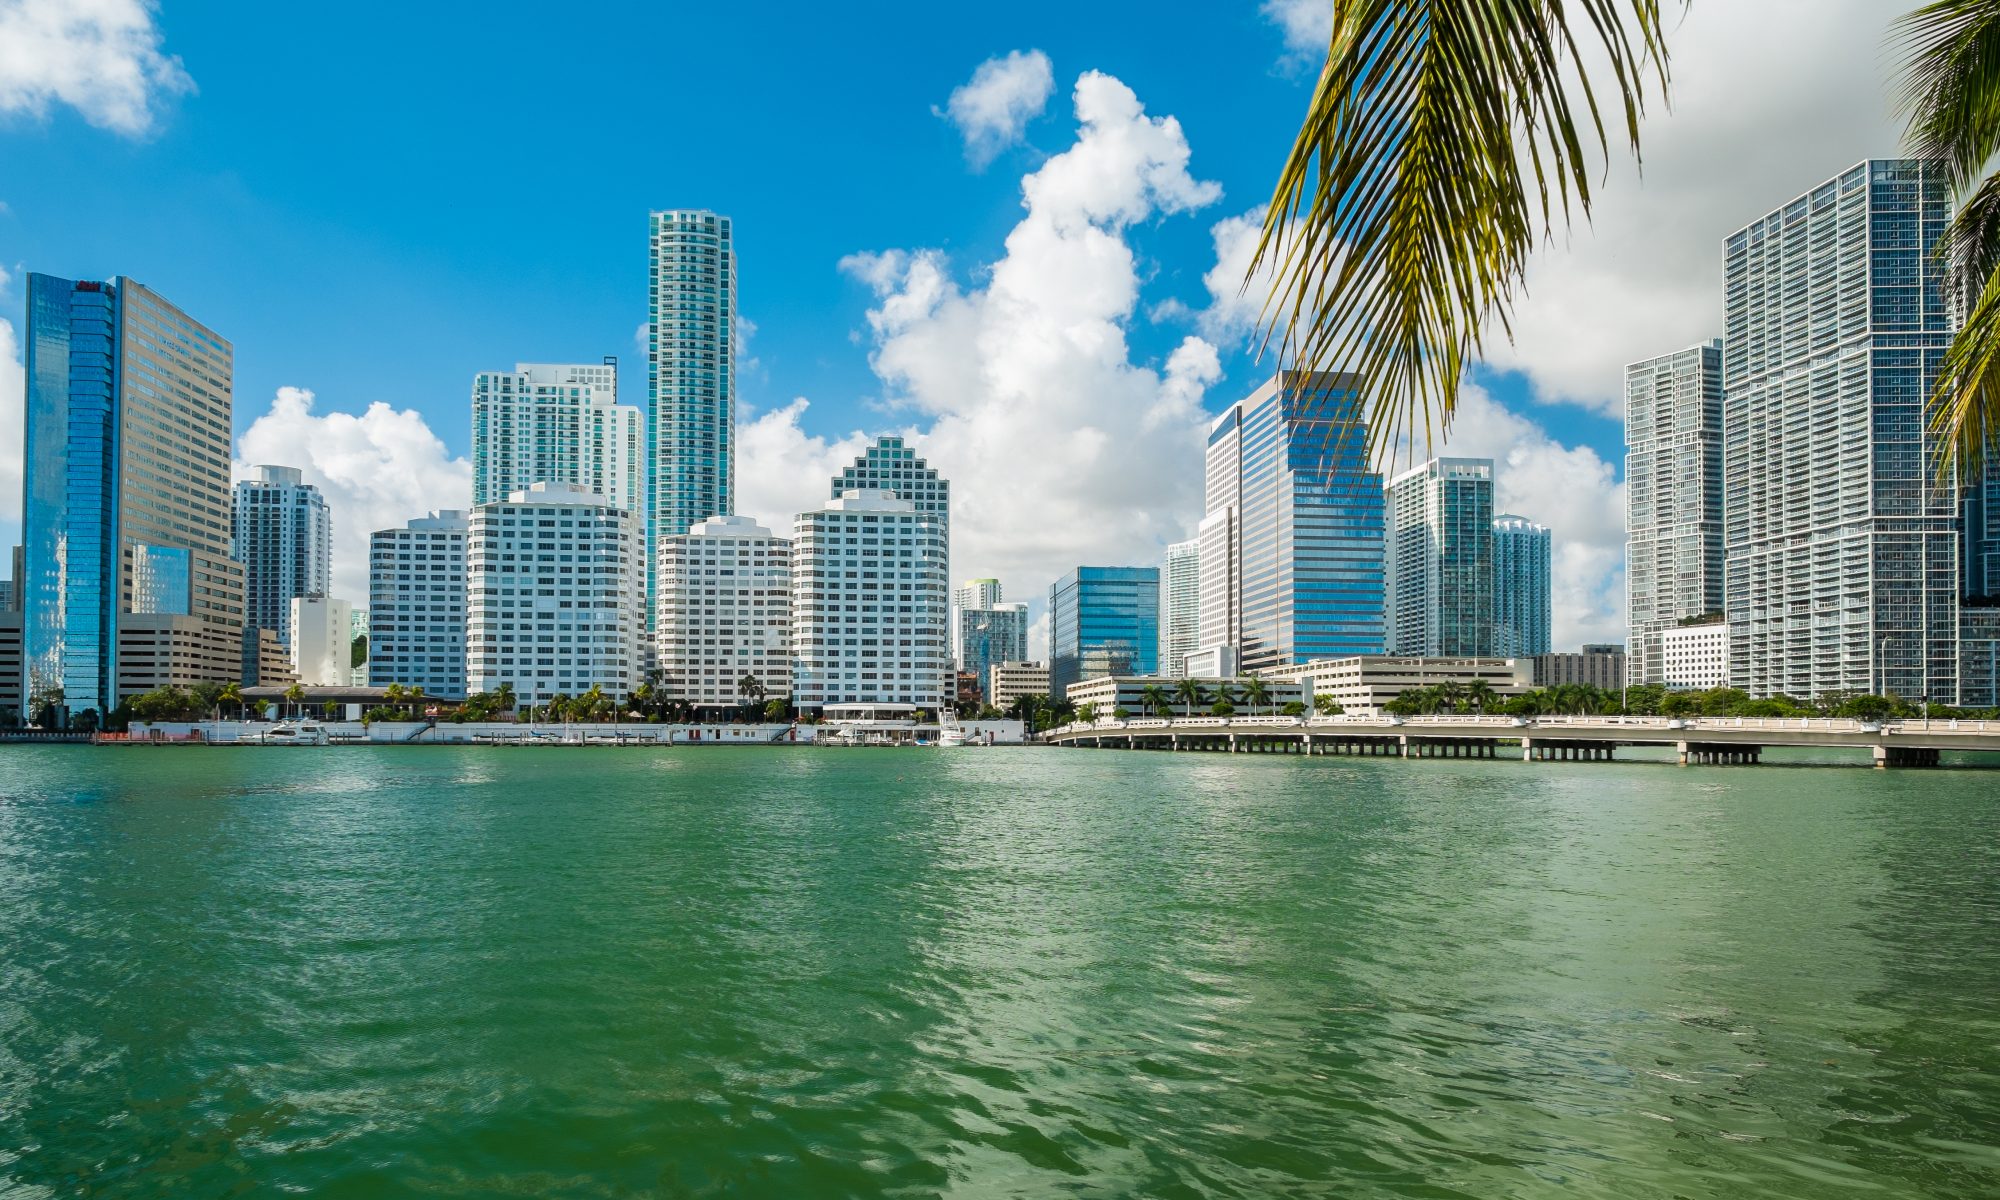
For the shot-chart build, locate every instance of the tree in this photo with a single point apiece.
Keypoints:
(1873, 709)
(1294, 708)
(1445, 141)
(1120, 713)
(1222, 707)
(750, 688)
(206, 698)
(1256, 693)
(1087, 714)
(357, 651)
(776, 709)
(1154, 699)
(1191, 695)
(1479, 695)
(231, 694)
(295, 696)
(1326, 706)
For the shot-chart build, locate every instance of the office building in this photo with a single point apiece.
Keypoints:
(319, 635)
(416, 605)
(1841, 549)
(1601, 667)
(725, 614)
(870, 605)
(1290, 550)
(1180, 607)
(1521, 608)
(1007, 682)
(1364, 684)
(994, 634)
(284, 539)
(1981, 525)
(1440, 559)
(690, 426)
(1103, 621)
(553, 599)
(1695, 656)
(126, 465)
(1673, 497)
(556, 423)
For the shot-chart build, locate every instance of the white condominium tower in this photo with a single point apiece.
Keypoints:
(1180, 607)
(1521, 608)
(690, 375)
(1440, 559)
(320, 636)
(553, 602)
(1673, 499)
(557, 423)
(869, 604)
(416, 604)
(284, 539)
(1841, 551)
(725, 613)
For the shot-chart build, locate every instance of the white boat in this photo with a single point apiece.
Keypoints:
(955, 735)
(294, 733)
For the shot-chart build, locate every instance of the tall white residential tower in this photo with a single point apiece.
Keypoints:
(284, 539)
(870, 604)
(557, 423)
(416, 604)
(725, 612)
(1673, 499)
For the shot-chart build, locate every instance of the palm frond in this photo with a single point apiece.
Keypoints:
(1965, 403)
(1442, 142)
(1951, 84)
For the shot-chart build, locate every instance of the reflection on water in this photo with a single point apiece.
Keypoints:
(995, 973)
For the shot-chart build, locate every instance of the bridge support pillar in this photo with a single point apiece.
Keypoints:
(1232, 743)
(1527, 749)
(1904, 756)
(1403, 742)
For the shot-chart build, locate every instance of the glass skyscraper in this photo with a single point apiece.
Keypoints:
(1103, 621)
(1291, 549)
(1842, 566)
(1440, 555)
(690, 376)
(1180, 611)
(284, 539)
(1521, 611)
(1673, 499)
(127, 451)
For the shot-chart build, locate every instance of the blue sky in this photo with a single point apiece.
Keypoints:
(375, 201)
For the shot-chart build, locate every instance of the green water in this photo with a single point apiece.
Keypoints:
(819, 973)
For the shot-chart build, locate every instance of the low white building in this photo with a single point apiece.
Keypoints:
(555, 593)
(321, 638)
(1363, 684)
(870, 604)
(1109, 693)
(725, 612)
(1009, 681)
(1695, 657)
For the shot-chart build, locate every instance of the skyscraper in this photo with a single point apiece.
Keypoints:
(690, 376)
(1103, 621)
(869, 604)
(992, 633)
(1842, 556)
(890, 466)
(725, 612)
(1291, 548)
(126, 520)
(1673, 498)
(1521, 610)
(416, 604)
(557, 423)
(1180, 612)
(1440, 556)
(284, 539)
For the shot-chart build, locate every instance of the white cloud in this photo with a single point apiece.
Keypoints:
(1306, 24)
(993, 108)
(783, 471)
(1769, 99)
(1569, 489)
(101, 57)
(377, 471)
(1236, 307)
(1061, 449)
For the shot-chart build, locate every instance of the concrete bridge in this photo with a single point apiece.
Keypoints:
(1580, 739)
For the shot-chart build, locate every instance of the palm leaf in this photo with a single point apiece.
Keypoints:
(1442, 142)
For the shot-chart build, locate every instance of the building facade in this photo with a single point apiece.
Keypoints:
(1440, 559)
(284, 539)
(1290, 551)
(556, 423)
(870, 605)
(725, 613)
(994, 634)
(1007, 682)
(1363, 684)
(1109, 693)
(554, 604)
(1103, 621)
(1673, 498)
(1695, 657)
(690, 426)
(1521, 606)
(319, 635)
(416, 604)
(1601, 668)
(1180, 607)
(1841, 549)
(128, 425)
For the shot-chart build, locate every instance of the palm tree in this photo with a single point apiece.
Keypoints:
(1445, 141)
(295, 696)
(231, 693)
(1154, 698)
(1951, 92)
(1191, 695)
(1256, 692)
(1479, 694)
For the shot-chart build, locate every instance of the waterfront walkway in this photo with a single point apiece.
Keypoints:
(1693, 739)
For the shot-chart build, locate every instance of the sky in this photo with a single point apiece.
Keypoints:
(1016, 234)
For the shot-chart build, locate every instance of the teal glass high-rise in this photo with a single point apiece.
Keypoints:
(1103, 621)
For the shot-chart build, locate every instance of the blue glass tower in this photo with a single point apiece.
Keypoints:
(1521, 609)
(1103, 621)
(1291, 549)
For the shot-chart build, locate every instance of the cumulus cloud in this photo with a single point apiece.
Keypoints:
(783, 471)
(377, 470)
(1769, 99)
(100, 57)
(1306, 24)
(993, 108)
(1060, 447)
